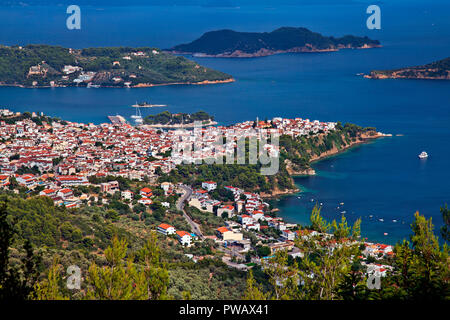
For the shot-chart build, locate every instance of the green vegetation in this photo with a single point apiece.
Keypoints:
(153, 267)
(435, 70)
(301, 150)
(117, 254)
(167, 118)
(227, 42)
(420, 268)
(208, 221)
(150, 66)
(295, 156)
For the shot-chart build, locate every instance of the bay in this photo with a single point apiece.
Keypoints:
(384, 179)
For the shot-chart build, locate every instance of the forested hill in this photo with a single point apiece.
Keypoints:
(435, 70)
(229, 43)
(45, 65)
(167, 118)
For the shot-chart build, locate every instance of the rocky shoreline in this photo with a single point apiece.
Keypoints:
(310, 171)
(147, 85)
(263, 52)
(398, 75)
(139, 85)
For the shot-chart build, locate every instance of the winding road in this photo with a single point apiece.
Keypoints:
(180, 206)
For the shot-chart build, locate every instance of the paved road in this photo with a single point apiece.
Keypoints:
(180, 206)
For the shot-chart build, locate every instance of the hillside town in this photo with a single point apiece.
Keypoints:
(52, 158)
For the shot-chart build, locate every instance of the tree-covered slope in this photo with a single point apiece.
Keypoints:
(44, 65)
(435, 70)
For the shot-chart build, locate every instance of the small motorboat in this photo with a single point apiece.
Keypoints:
(423, 155)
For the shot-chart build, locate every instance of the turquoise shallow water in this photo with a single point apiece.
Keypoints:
(384, 179)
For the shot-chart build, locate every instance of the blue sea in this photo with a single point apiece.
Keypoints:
(381, 180)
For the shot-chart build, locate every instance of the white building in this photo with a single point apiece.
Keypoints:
(288, 235)
(184, 238)
(209, 185)
(166, 229)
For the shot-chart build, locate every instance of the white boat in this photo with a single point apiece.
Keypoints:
(423, 155)
(381, 220)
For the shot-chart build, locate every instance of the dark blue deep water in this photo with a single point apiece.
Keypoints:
(384, 179)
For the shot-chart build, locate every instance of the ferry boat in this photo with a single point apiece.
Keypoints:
(423, 155)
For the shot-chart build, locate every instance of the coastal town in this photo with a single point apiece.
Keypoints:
(73, 163)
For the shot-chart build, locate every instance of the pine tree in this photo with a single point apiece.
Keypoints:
(421, 267)
(49, 289)
(317, 222)
(445, 229)
(16, 282)
(117, 280)
(253, 291)
(430, 263)
(325, 263)
(353, 286)
(156, 276)
(122, 279)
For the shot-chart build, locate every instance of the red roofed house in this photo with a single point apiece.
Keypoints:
(225, 234)
(228, 209)
(65, 193)
(166, 229)
(4, 180)
(145, 201)
(48, 193)
(146, 192)
(288, 235)
(26, 180)
(184, 238)
(71, 180)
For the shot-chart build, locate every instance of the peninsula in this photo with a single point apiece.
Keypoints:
(439, 70)
(54, 66)
(233, 44)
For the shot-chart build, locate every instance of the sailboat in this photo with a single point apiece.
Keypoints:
(138, 120)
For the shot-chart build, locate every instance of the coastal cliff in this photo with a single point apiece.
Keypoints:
(233, 44)
(299, 153)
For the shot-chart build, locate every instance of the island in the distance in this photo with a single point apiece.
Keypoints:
(55, 66)
(439, 70)
(233, 44)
